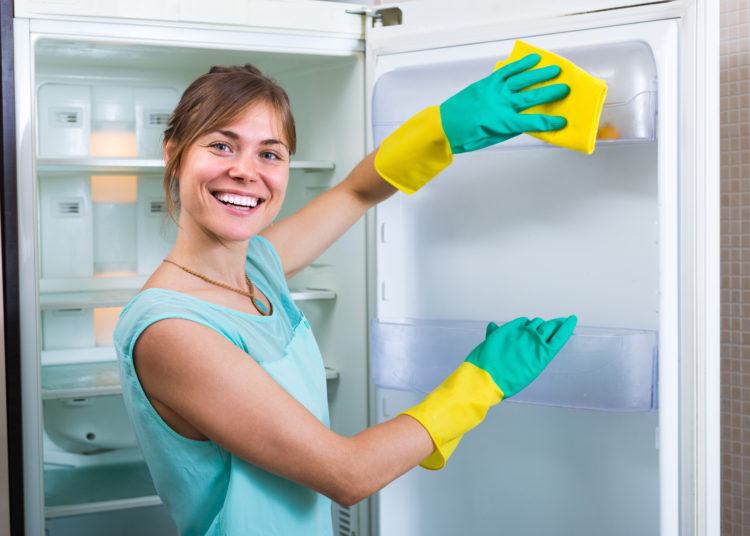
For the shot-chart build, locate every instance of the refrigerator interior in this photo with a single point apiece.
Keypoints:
(527, 229)
(100, 107)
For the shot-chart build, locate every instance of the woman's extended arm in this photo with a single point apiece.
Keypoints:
(305, 235)
(205, 387)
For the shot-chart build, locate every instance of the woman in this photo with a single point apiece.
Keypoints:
(223, 381)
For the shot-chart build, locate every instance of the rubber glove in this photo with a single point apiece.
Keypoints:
(482, 114)
(510, 358)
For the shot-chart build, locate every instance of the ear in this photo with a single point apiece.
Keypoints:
(168, 148)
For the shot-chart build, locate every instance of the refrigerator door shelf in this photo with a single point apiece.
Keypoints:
(608, 369)
(629, 113)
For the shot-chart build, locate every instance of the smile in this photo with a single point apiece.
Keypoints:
(238, 201)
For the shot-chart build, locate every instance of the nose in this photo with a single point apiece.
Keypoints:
(244, 168)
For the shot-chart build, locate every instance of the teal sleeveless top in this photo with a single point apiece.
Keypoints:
(208, 490)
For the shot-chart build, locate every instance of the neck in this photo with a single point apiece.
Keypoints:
(220, 260)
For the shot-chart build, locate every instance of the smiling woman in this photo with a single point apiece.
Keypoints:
(231, 181)
(214, 101)
(227, 395)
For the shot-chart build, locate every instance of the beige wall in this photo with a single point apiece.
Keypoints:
(735, 267)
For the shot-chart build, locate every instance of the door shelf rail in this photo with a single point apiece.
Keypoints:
(606, 369)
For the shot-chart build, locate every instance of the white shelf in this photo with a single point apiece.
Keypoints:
(312, 165)
(85, 490)
(81, 380)
(331, 374)
(140, 165)
(608, 369)
(78, 356)
(100, 165)
(86, 380)
(94, 285)
(313, 294)
(60, 459)
(86, 299)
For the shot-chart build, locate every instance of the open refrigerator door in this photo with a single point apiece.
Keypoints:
(527, 229)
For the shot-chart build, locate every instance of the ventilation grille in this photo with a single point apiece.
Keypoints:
(344, 520)
(68, 208)
(65, 117)
(157, 119)
(157, 207)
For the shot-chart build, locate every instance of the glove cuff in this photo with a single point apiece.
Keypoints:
(456, 406)
(416, 152)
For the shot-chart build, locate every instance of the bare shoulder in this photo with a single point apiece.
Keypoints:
(162, 277)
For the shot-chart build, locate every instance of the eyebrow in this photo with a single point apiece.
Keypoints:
(235, 136)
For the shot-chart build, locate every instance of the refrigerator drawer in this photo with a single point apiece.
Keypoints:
(609, 369)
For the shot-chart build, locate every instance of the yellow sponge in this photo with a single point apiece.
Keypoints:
(582, 107)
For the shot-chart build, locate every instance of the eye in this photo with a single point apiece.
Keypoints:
(269, 155)
(221, 146)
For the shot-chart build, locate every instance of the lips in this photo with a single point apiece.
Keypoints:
(244, 202)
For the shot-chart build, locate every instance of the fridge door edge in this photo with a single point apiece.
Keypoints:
(30, 382)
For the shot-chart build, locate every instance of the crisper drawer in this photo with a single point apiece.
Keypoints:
(608, 369)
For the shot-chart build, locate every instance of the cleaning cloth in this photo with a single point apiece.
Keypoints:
(582, 107)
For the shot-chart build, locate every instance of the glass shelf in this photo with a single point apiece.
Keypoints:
(88, 287)
(81, 380)
(139, 165)
(78, 356)
(86, 380)
(86, 299)
(84, 490)
(609, 369)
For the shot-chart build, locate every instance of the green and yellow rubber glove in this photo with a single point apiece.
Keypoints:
(482, 114)
(510, 358)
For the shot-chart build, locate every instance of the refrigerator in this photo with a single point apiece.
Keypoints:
(618, 436)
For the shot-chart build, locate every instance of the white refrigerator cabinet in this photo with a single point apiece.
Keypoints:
(625, 238)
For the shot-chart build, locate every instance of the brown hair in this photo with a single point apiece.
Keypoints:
(214, 100)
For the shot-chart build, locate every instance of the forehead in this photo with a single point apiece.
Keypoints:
(257, 119)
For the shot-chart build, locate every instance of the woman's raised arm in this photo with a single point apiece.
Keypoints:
(302, 237)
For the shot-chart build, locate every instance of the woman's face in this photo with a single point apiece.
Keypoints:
(232, 181)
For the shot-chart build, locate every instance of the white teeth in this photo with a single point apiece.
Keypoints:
(241, 200)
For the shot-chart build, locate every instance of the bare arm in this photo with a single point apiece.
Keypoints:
(201, 383)
(305, 235)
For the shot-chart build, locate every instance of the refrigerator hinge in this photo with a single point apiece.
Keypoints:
(389, 16)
